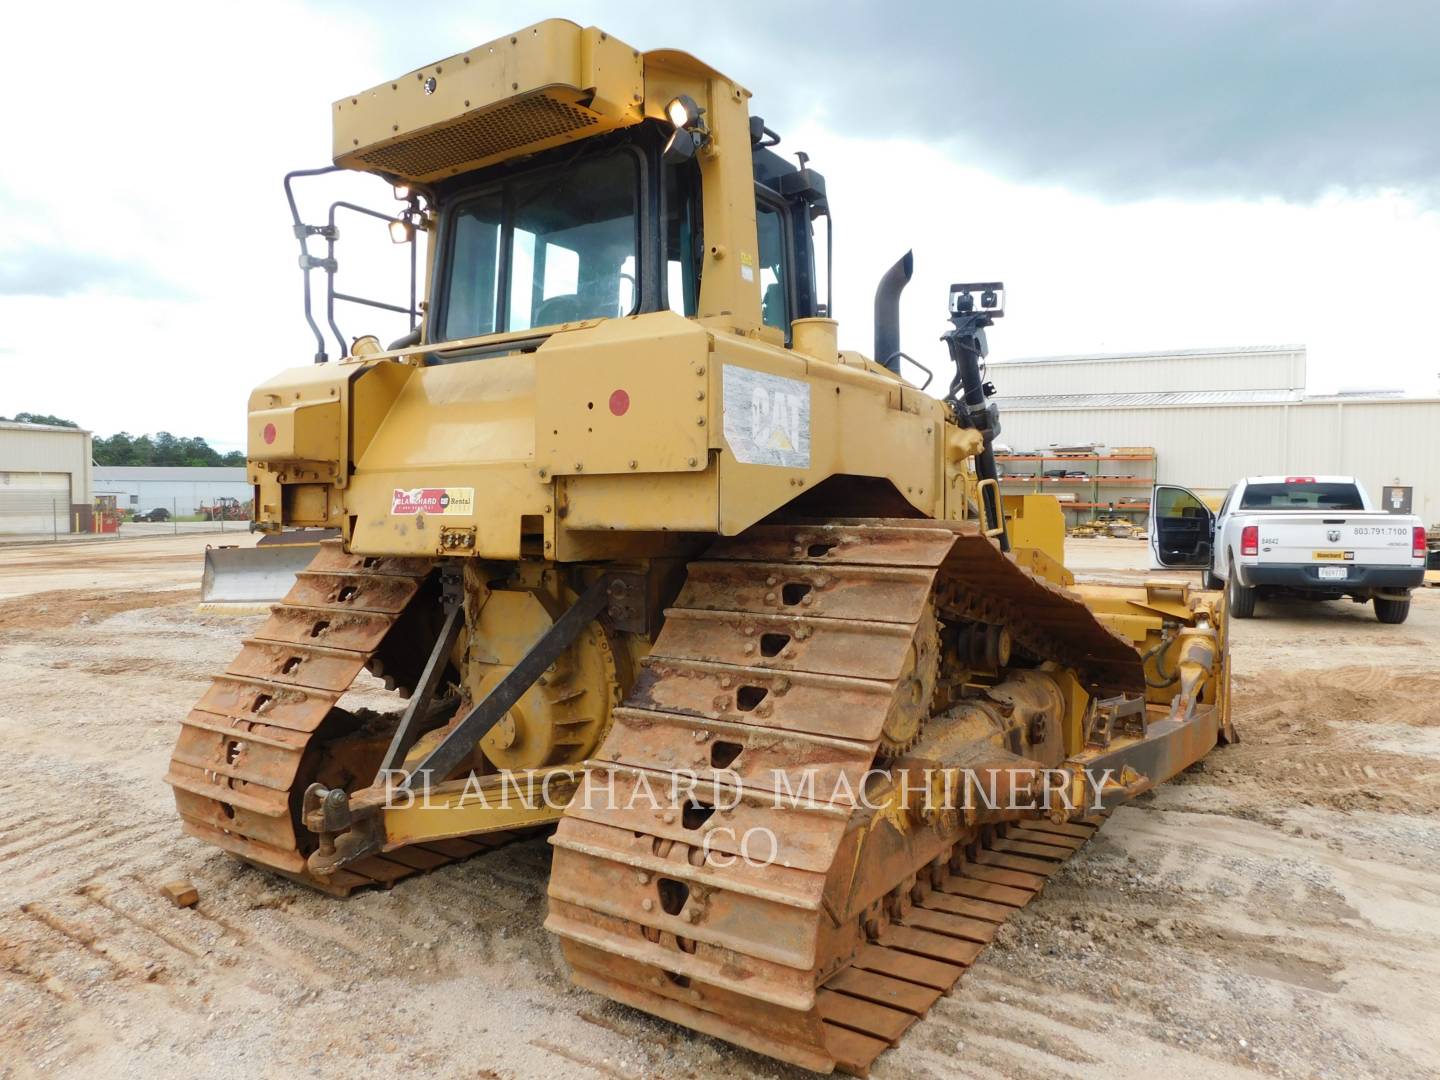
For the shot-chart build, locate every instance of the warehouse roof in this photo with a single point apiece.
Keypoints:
(1144, 399)
(1157, 354)
(199, 475)
(11, 425)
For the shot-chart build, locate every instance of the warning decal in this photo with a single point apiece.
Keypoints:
(455, 501)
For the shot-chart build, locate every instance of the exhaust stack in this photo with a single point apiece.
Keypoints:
(887, 311)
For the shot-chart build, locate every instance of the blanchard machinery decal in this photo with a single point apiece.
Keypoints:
(767, 418)
(456, 501)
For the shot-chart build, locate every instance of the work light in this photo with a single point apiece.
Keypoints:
(689, 134)
(683, 112)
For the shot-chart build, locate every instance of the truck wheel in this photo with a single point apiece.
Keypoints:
(1210, 581)
(1242, 599)
(1391, 611)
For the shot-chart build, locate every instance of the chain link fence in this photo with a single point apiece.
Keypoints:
(41, 519)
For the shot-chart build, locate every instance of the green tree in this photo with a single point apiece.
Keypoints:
(40, 418)
(163, 448)
(118, 449)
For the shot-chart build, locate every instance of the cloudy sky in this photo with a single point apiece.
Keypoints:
(1169, 174)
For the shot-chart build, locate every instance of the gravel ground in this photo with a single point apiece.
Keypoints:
(1270, 913)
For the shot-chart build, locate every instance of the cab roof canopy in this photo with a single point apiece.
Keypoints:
(540, 87)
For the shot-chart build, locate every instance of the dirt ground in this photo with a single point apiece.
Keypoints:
(1270, 913)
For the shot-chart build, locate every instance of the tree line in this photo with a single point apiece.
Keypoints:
(162, 448)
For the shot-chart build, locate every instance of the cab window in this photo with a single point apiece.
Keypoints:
(557, 245)
(773, 267)
(684, 245)
(1301, 495)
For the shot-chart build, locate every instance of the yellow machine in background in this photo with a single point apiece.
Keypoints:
(619, 512)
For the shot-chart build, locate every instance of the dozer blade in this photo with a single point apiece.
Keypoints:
(246, 581)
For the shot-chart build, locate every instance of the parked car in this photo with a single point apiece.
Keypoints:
(1318, 537)
(159, 513)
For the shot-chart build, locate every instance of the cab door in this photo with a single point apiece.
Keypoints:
(1182, 529)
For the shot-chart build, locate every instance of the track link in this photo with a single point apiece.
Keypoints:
(269, 726)
(784, 657)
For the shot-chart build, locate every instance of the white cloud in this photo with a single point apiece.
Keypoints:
(157, 145)
(1351, 277)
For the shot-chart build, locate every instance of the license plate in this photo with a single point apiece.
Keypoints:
(1333, 573)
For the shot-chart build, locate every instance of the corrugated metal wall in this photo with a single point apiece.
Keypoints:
(42, 472)
(1208, 448)
(48, 450)
(179, 497)
(1257, 368)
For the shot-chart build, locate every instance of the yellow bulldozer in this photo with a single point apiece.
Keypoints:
(650, 559)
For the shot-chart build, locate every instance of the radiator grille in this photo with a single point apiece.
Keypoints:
(497, 131)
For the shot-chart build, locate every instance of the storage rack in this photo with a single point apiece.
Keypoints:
(1119, 473)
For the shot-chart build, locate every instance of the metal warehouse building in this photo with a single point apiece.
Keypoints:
(178, 489)
(44, 479)
(1216, 415)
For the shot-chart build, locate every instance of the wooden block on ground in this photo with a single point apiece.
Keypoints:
(180, 893)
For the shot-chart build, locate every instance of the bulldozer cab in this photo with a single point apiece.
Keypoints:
(606, 185)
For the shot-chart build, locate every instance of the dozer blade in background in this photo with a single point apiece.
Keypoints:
(248, 580)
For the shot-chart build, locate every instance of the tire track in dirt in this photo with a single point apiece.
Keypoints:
(1205, 916)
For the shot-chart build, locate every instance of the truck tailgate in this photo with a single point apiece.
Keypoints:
(1370, 538)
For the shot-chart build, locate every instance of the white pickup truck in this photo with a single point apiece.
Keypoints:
(1319, 537)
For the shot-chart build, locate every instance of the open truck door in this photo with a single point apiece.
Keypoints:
(1182, 529)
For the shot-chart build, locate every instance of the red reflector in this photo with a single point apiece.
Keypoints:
(1299, 479)
(268, 434)
(1417, 544)
(1250, 540)
(619, 403)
